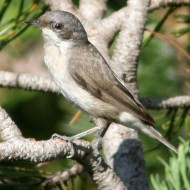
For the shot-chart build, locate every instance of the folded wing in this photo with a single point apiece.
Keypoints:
(94, 74)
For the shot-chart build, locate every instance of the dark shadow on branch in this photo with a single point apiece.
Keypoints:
(128, 157)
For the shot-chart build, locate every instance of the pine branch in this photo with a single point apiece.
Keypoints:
(63, 176)
(156, 4)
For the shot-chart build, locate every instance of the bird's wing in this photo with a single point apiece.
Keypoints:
(93, 73)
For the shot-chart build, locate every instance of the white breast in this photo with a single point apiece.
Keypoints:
(56, 59)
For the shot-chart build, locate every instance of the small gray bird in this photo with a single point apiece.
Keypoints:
(85, 78)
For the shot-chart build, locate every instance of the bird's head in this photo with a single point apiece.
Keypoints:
(59, 26)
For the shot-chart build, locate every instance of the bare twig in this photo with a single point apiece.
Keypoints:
(155, 4)
(158, 25)
(125, 58)
(29, 149)
(45, 84)
(167, 103)
(52, 180)
(65, 5)
(27, 82)
(130, 21)
(124, 62)
(110, 25)
(8, 130)
(92, 10)
(75, 117)
(170, 41)
(16, 147)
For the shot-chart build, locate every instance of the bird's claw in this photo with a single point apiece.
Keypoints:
(96, 144)
(69, 140)
(73, 151)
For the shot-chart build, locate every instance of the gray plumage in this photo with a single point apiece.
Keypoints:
(85, 78)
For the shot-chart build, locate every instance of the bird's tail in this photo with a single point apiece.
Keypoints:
(149, 130)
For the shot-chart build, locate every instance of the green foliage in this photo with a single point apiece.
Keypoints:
(158, 26)
(41, 115)
(185, 30)
(20, 178)
(158, 74)
(11, 25)
(30, 177)
(177, 171)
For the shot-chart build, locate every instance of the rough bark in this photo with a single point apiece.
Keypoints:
(124, 167)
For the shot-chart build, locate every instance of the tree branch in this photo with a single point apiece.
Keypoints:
(110, 25)
(44, 84)
(126, 148)
(126, 53)
(92, 10)
(166, 103)
(125, 156)
(8, 130)
(124, 62)
(155, 4)
(16, 147)
(65, 5)
(27, 82)
(52, 180)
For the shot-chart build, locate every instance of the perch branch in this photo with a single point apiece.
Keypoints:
(124, 62)
(155, 4)
(16, 147)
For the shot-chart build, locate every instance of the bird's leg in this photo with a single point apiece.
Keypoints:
(75, 137)
(103, 124)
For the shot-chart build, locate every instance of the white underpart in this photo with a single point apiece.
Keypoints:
(130, 120)
(56, 57)
(50, 36)
(133, 122)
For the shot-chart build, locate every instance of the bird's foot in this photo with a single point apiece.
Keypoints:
(62, 137)
(69, 140)
(96, 144)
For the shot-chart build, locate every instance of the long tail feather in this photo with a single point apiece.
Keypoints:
(130, 120)
(149, 130)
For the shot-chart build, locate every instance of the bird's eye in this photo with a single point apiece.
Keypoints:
(58, 26)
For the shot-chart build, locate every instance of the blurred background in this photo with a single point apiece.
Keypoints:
(163, 72)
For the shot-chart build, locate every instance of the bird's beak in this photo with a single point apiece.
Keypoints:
(33, 22)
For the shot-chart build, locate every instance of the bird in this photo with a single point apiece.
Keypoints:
(85, 78)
